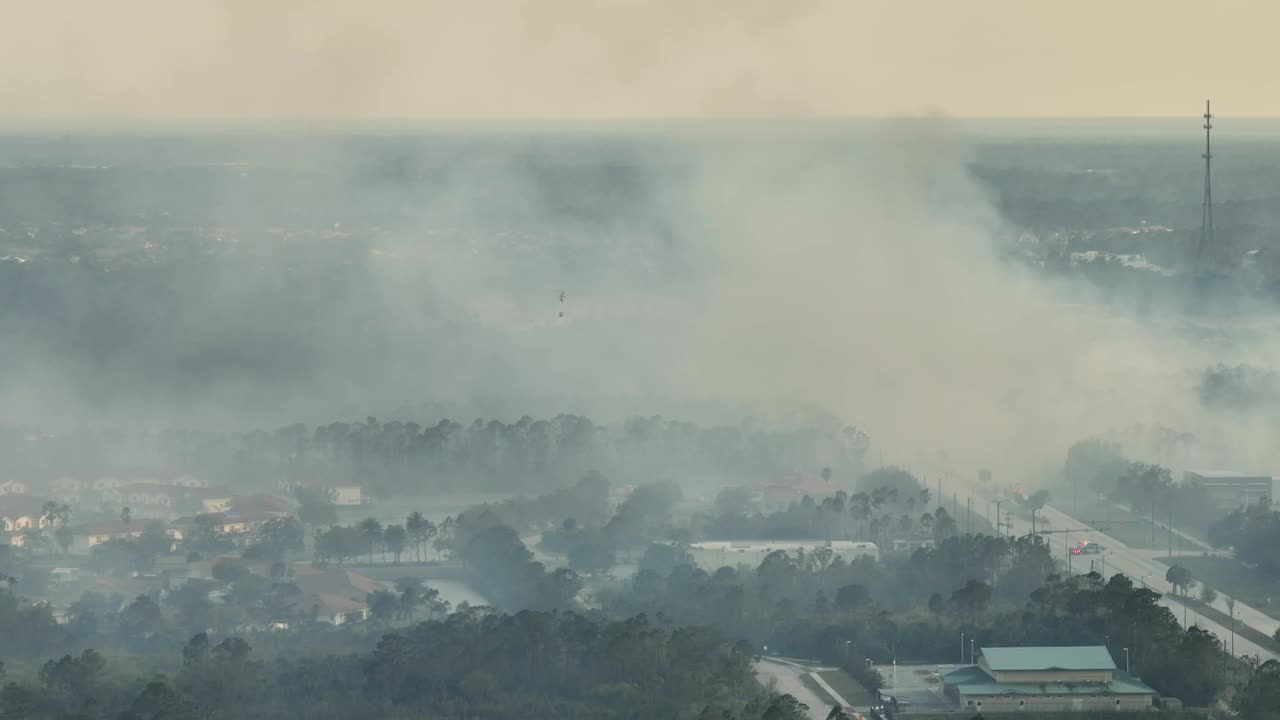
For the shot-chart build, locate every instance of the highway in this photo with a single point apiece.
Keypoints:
(1142, 568)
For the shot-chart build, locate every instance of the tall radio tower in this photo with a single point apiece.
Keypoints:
(1206, 216)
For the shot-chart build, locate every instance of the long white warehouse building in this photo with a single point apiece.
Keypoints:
(712, 556)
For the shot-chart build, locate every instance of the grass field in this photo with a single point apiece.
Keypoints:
(807, 680)
(848, 688)
(1242, 630)
(1228, 575)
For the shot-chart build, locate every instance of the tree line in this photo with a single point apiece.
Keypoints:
(407, 458)
(1100, 467)
(473, 664)
(1253, 534)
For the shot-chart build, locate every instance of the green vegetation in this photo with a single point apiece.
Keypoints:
(808, 605)
(807, 680)
(1096, 477)
(1230, 576)
(851, 690)
(472, 665)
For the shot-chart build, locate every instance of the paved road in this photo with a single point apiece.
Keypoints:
(1142, 567)
(1196, 543)
(787, 673)
(787, 680)
(918, 685)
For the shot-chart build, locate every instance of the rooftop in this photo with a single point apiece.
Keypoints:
(197, 492)
(781, 545)
(263, 503)
(1229, 474)
(111, 528)
(973, 681)
(1088, 657)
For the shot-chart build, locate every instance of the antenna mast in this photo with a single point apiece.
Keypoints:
(1206, 217)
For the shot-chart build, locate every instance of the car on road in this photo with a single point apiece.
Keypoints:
(1084, 547)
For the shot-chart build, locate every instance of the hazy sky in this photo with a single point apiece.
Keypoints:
(512, 59)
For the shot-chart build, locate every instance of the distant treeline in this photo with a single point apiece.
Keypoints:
(405, 458)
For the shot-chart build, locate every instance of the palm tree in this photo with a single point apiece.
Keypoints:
(371, 530)
(415, 525)
(860, 507)
(394, 540)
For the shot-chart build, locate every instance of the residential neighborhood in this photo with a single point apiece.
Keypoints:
(137, 536)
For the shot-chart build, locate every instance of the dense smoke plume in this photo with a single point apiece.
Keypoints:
(711, 269)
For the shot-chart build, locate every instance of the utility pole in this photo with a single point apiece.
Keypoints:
(1171, 535)
(1206, 211)
(998, 523)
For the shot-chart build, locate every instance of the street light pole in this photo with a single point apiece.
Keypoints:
(961, 648)
(1126, 661)
(970, 651)
(846, 651)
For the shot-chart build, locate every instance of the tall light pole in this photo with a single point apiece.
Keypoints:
(1126, 661)
(961, 648)
(1231, 608)
(846, 651)
(970, 651)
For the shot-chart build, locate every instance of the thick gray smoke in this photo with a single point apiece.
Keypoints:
(712, 270)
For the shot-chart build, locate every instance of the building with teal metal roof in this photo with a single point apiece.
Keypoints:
(1047, 679)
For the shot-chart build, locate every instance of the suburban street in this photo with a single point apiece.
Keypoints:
(1143, 568)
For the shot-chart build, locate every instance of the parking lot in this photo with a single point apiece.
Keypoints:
(917, 685)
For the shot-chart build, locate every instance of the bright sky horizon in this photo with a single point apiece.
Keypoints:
(155, 60)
